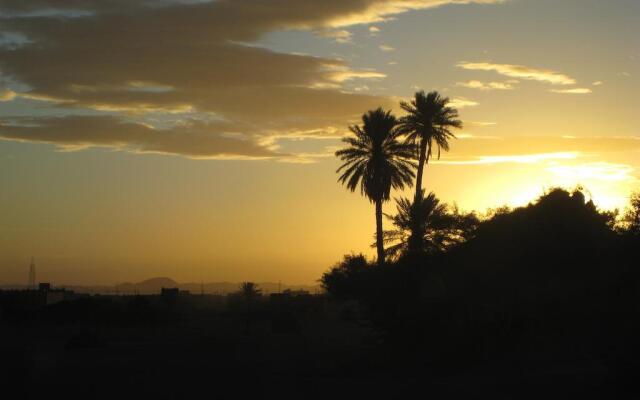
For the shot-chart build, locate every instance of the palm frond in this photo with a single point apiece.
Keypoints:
(438, 226)
(374, 159)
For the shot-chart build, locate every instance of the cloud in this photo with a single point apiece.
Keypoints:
(603, 171)
(194, 140)
(179, 58)
(517, 159)
(363, 88)
(461, 102)
(339, 36)
(532, 163)
(7, 94)
(288, 13)
(489, 146)
(572, 91)
(608, 166)
(479, 123)
(597, 83)
(386, 48)
(521, 72)
(381, 10)
(473, 84)
(342, 74)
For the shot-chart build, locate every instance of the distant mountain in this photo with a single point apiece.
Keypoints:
(154, 285)
(150, 286)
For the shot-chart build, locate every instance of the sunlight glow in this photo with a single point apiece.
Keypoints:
(519, 159)
(600, 171)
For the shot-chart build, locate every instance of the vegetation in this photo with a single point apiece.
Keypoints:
(518, 278)
(630, 222)
(346, 280)
(377, 162)
(436, 226)
(249, 290)
(249, 294)
(552, 282)
(384, 154)
(427, 124)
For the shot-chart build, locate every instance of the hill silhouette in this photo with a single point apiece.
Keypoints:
(549, 284)
(149, 286)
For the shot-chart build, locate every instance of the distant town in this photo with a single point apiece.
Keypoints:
(213, 293)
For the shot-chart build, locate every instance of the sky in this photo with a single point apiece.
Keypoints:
(194, 139)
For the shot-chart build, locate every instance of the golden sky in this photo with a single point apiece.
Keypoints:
(194, 139)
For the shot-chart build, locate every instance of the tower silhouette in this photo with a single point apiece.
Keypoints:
(32, 274)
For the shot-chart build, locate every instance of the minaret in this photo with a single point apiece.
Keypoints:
(32, 275)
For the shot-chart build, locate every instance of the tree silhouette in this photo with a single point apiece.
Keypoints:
(347, 279)
(377, 162)
(432, 224)
(631, 218)
(427, 125)
(249, 290)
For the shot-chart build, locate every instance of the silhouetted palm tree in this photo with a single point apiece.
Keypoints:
(432, 225)
(249, 290)
(376, 161)
(427, 125)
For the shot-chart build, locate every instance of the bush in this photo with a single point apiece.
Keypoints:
(348, 278)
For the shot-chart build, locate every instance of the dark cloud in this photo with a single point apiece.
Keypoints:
(195, 139)
(33, 8)
(140, 56)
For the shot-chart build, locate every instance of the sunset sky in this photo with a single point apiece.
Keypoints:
(194, 139)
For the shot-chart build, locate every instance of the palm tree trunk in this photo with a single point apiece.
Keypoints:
(421, 162)
(379, 237)
(414, 238)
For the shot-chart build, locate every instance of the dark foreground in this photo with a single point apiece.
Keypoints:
(143, 347)
(538, 302)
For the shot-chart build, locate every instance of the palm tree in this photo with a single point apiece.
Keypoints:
(431, 225)
(249, 290)
(377, 162)
(427, 125)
